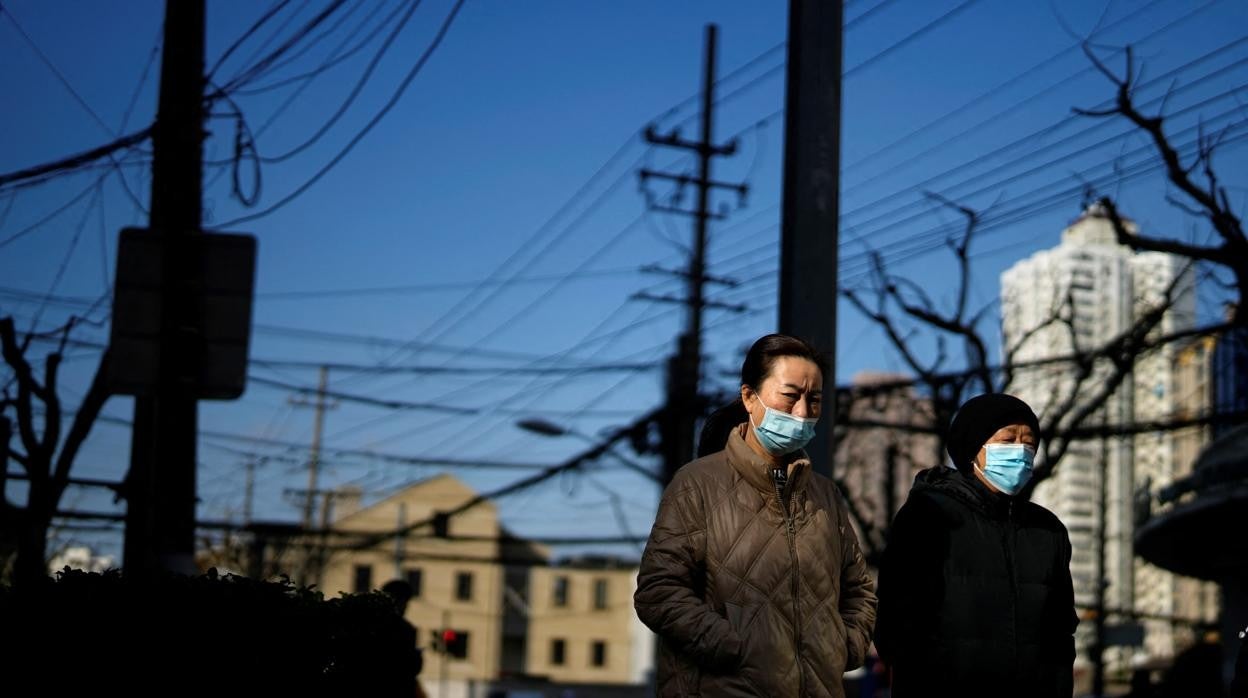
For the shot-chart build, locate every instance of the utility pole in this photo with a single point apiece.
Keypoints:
(810, 202)
(683, 397)
(1098, 646)
(314, 456)
(399, 551)
(319, 405)
(249, 492)
(445, 657)
(160, 516)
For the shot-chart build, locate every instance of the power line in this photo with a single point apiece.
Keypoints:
(777, 69)
(458, 311)
(438, 286)
(257, 69)
(234, 46)
(591, 338)
(69, 253)
(1000, 169)
(55, 213)
(352, 95)
(336, 56)
(374, 341)
(934, 238)
(309, 45)
(1033, 136)
(75, 161)
(1083, 179)
(573, 463)
(461, 370)
(986, 95)
(47, 62)
(995, 174)
(376, 119)
(911, 37)
(868, 13)
(451, 462)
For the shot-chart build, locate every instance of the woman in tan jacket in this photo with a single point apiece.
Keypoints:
(752, 577)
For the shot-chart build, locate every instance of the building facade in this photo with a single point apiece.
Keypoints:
(518, 616)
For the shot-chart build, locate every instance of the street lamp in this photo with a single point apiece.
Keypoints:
(545, 428)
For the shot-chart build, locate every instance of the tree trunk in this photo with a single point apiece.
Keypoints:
(32, 544)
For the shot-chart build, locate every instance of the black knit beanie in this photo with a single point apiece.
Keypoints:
(979, 418)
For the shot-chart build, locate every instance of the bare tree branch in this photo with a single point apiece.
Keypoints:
(1211, 200)
(26, 388)
(84, 419)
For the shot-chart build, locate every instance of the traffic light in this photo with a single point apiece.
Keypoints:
(455, 643)
(450, 642)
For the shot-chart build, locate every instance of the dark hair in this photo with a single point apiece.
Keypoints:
(758, 364)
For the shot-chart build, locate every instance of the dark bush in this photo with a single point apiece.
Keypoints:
(201, 635)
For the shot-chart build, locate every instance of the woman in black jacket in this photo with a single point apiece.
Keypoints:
(975, 595)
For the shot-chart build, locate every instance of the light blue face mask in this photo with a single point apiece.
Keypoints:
(781, 433)
(1008, 466)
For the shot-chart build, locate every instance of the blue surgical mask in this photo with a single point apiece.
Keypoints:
(781, 433)
(1008, 466)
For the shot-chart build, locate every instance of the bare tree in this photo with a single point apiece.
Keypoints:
(1208, 201)
(1085, 379)
(45, 457)
(905, 311)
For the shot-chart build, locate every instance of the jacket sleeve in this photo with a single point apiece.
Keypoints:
(858, 602)
(669, 596)
(910, 581)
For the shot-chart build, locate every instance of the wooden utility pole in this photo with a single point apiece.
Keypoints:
(314, 456)
(313, 556)
(810, 202)
(249, 492)
(683, 396)
(160, 489)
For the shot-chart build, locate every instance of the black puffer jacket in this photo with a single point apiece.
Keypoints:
(975, 595)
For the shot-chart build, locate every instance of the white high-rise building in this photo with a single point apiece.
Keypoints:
(1074, 298)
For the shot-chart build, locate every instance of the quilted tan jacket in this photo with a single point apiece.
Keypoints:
(750, 597)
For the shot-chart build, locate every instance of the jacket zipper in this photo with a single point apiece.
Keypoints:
(776, 476)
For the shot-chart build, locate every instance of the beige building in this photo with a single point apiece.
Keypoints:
(521, 616)
(886, 441)
(1189, 602)
(582, 627)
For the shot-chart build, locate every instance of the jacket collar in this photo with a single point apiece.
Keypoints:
(756, 470)
(966, 488)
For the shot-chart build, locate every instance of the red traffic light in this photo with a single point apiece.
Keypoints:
(448, 636)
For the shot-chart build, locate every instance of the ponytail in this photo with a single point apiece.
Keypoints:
(719, 425)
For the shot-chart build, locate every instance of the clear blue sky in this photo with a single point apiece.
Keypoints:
(511, 116)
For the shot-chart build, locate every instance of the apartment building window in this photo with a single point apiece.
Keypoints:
(600, 594)
(463, 586)
(561, 591)
(415, 578)
(558, 652)
(598, 653)
(363, 578)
